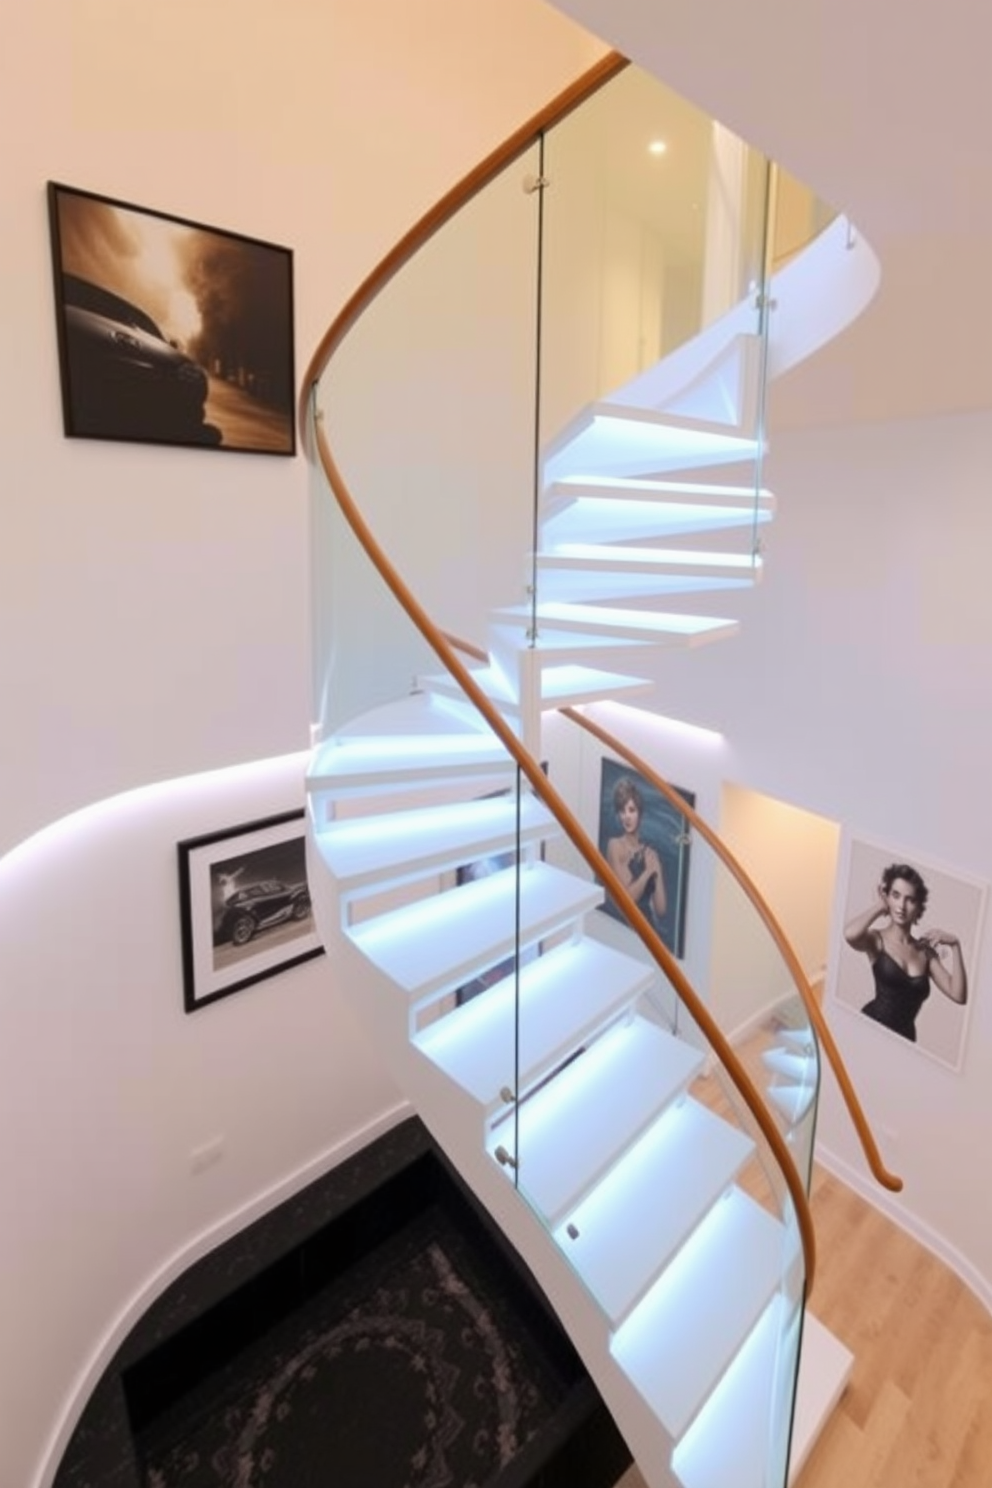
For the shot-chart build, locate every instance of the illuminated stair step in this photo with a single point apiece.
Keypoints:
(591, 583)
(784, 1062)
(798, 1038)
(561, 686)
(792, 1100)
(367, 764)
(604, 621)
(677, 564)
(703, 1308)
(397, 846)
(607, 439)
(729, 1441)
(572, 1131)
(630, 1226)
(607, 510)
(444, 941)
(566, 996)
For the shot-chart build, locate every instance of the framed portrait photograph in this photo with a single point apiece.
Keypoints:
(170, 332)
(244, 907)
(904, 946)
(646, 840)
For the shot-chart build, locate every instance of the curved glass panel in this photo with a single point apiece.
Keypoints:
(538, 1036)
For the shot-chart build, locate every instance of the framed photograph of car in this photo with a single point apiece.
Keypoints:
(244, 906)
(170, 332)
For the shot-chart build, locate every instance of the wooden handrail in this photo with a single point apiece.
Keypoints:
(477, 179)
(316, 443)
(814, 1012)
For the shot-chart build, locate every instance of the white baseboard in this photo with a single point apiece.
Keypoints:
(900, 1215)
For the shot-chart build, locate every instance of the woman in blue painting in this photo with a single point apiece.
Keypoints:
(636, 863)
(903, 963)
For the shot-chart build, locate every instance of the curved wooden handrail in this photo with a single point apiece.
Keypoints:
(814, 1012)
(477, 179)
(315, 442)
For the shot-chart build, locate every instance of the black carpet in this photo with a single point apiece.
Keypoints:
(409, 1370)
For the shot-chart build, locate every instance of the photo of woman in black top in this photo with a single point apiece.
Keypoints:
(905, 963)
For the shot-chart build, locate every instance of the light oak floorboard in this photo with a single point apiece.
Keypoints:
(917, 1412)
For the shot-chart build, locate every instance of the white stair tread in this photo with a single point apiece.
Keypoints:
(825, 1366)
(561, 686)
(445, 940)
(395, 846)
(633, 1222)
(785, 1062)
(730, 1440)
(799, 1038)
(792, 1100)
(678, 561)
(604, 520)
(572, 1130)
(494, 683)
(565, 996)
(610, 620)
(573, 683)
(608, 439)
(372, 761)
(692, 504)
(567, 585)
(702, 1308)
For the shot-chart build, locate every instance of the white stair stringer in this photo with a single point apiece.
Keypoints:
(576, 1131)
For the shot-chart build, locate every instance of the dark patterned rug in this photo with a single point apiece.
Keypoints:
(412, 1370)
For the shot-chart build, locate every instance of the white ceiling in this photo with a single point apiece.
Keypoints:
(886, 111)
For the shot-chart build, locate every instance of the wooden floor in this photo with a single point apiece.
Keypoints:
(918, 1410)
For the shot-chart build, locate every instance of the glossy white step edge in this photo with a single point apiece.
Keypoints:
(561, 686)
(682, 506)
(574, 1129)
(726, 1444)
(784, 1062)
(566, 996)
(603, 575)
(626, 1231)
(792, 1100)
(607, 439)
(443, 941)
(730, 1440)
(633, 625)
(801, 1039)
(676, 1344)
(367, 764)
(393, 847)
(825, 1366)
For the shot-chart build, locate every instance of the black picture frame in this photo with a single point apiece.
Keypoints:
(226, 880)
(170, 331)
(664, 828)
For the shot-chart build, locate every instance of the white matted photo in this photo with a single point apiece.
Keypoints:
(245, 906)
(905, 945)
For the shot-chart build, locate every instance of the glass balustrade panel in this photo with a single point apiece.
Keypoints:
(640, 1154)
(428, 411)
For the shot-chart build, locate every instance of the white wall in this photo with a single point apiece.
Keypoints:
(858, 689)
(153, 613)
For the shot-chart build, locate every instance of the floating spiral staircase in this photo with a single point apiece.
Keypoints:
(652, 1177)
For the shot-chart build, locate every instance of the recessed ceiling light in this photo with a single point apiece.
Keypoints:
(657, 147)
